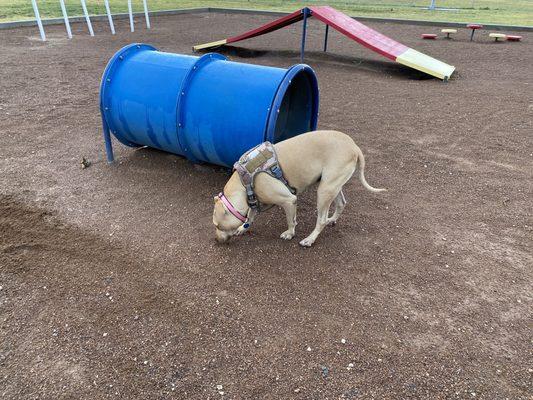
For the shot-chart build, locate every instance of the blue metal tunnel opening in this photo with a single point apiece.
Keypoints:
(207, 108)
(298, 110)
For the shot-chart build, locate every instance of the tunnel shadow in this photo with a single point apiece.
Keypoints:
(328, 59)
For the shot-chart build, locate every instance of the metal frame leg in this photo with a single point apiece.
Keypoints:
(326, 39)
(304, 33)
(107, 140)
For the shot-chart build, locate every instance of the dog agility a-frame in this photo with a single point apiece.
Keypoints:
(353, 29)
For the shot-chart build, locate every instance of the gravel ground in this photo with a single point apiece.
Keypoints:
(112, 286)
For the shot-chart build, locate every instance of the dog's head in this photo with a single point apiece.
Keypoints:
(226, 224)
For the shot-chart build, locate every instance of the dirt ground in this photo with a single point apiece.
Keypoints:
(112, 286)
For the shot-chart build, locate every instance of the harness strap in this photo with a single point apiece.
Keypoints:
(262, 158)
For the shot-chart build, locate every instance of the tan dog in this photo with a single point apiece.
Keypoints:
(330, 157)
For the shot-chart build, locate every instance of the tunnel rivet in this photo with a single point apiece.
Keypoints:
(121, 57)
(108, 79)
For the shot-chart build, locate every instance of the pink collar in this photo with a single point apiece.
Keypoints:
(230, 207)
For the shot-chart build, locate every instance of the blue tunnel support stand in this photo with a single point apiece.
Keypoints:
(107, 140)
(326, 39)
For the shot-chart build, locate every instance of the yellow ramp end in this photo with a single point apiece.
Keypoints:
(207, 45)
(427, 64)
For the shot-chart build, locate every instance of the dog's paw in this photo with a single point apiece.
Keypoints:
(287, 235)
(307, 242)
(331, 222)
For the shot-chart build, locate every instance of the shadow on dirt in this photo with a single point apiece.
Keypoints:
(315, 58)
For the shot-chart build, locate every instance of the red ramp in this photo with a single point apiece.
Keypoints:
(355, 30)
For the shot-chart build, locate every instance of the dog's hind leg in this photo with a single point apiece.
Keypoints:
(330, 188)
(340, 203)
(290, 212)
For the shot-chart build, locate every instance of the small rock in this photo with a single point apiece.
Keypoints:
(104, 334)
(350, 366)
(343, 341)
(85, 163)
(325, 371)
(405, 317)
(220, 387)
(297, 390)
(309, 348)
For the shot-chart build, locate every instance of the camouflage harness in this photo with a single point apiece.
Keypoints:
(262, 158)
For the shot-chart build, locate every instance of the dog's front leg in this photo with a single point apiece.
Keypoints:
(251, 216)
(290, 212)
(324, 199)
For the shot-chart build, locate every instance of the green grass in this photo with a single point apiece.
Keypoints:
(511, 12)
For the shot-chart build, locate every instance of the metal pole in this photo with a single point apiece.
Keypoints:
(304, 32)
(87, 19)
(146, 14)
(109, 17)
(65, 17)
(130, 12)
(38, 18)
(432, 5)
(107, 140)
(326, 39)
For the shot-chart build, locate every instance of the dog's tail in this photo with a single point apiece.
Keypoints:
(361, 167)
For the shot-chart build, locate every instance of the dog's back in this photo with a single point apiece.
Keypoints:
(304, 158)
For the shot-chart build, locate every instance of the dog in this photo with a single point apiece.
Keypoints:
(327, 157)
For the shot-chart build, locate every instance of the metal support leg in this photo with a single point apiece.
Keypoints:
(304, 32)
(472, 34)
(326, 39)
(107, 140)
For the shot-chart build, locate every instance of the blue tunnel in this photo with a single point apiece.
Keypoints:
(207, 109)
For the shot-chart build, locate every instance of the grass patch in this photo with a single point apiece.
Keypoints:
(516, 12)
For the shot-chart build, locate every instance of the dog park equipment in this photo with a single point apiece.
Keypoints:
(474, 28)
(354, 30)
(497, 36)
(207, 108)
(514, 38)
(65, 18)
(146, 16)
(38, 18)
(430, 36)
(87, 17)
(109, 17)
(448, 32)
